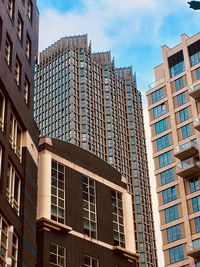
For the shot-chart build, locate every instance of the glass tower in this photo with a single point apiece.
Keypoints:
(80, 97)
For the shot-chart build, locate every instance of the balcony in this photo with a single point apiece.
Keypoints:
(194, 91)
(186, 150)
(193, 249)
(188, 168)
(197, 123)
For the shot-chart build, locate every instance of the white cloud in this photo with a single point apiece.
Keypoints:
(109, 23)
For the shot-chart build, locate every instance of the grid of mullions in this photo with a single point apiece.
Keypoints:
(118, 221)
(3, 241)
(90, 262)
(57, 192)
(57, 255)
(89, 207)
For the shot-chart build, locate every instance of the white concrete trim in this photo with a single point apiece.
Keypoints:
(29, 144)
(84, 171)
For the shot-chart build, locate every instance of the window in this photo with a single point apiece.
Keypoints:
(18, 70)
(90, 262)
(184, 114)
(8, 51)
(10, 8)
(57, 255)
(28, 47)
(197, 71)
(161, 126)
(13, 188)
(26, 90)
(179, 84)
(171, 213)
(177, 69)
(15, 136)
(0, 159)
(20, 27)
(163, 142)
(14, 254)
(2, 110)
(186, 131)
(89, 207)
(30, 10)
(4, 229)
(169, 194)
(196, 243)
(159, 110)
(196, 203)
(197, 224)
(197, 264)
(167, 176)
(118, 222)
(194, 184)
(174, 233)
(157, 95)
(176, 254)
(195, 59)
(181, 99)
(165, 159)
(57, 192)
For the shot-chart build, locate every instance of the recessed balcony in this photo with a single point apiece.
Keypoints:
(197, 123)
(188, 168)
(186, 150)
(194, 91)
(193, 250)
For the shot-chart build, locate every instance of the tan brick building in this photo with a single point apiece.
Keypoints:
(174, 110)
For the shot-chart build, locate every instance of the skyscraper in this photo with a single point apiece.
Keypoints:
(18, 133)
(80, 97)
(174, 112)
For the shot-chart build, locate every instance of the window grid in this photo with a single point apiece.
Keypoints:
(118, 221)
(174, 233)
(8, 51)
(89, 207)
(163, 142)
(169, 194)
(171, 213)
(13, 188)
(10, 8)
(90, 262)
(20, 27)
(186, 131)
(176, 254)
(3, 241)
(165, 159)
(161, 126)
(196, 204)
(194, 185)
(183, 115)
(159, 110)
(15, 136)
(18, 69)
(167, 176)
(157, 95)
(57, 255)
(179, 83)
(2, 110)
(57, 192)
(197, 224)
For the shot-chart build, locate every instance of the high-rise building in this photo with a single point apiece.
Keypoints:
(80, 97)
(174, 110)
(18, 133)
(85, 215)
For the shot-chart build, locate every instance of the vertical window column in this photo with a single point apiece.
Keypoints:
(57, 192)
(57, 255)
(89, 207)
(91, 262)
(118, 220)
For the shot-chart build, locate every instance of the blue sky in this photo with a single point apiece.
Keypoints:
(134, 31)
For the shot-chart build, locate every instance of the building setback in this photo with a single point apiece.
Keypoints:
(18, 133)
(85, 215)
(174, 110)
(80, 97)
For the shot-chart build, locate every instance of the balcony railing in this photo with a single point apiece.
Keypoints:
(194, 91)
(197, 123)
(193, 249)
(186, 150)
(156, 83)
(188, 167)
